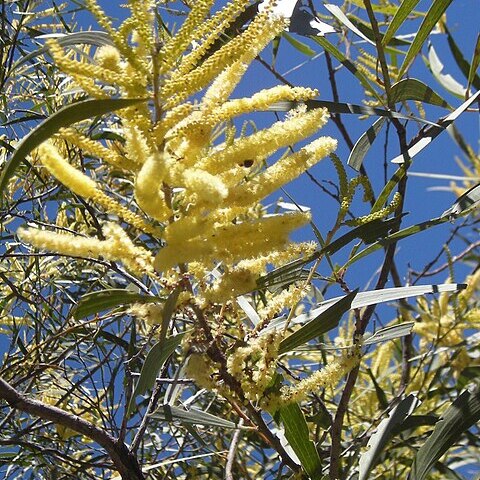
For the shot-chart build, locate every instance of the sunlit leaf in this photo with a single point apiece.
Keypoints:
(474, 65)
(462, 414)
(298, 436)
(466, 201)
(436, 10)
(391, 333)
(363, 144)
(427, 135)
(404, 10)
(300, 46)
(364, 299)
(445, 79)
(413, 89)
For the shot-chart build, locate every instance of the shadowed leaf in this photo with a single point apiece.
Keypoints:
(462, 414)
(65, 117)
(96, 302)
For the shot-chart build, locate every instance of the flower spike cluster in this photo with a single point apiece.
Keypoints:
(196, 186)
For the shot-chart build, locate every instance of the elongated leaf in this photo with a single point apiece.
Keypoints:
(462, 414)
(466, 201)
(349, 108)
(298, 436)
(167, 312)
(395, 237)
(319, 324)
(460, 59)
(342, 18)
(364, 299)
(300, 46)
(154, 361)
(385, 430)
(472, 74)
(169, 413)
(427, 135)
(390, 333)
(333, 50)
(363, 144)
(97, 38)
(96, 302)
(444, 79)
(367, 31)
(400, 16)
(413, 89)
(436, 10)
(65, 117)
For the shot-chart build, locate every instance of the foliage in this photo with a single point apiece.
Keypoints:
(157, 320)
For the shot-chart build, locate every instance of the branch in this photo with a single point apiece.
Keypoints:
(125, 463)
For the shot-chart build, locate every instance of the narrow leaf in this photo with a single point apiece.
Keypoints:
(298, 436)
(474, 65)
(348, 108)
(96, 302)
(342, 18)
(400, 16)
(320, 324)
(363, 144)
(385, 430)
(300, 46)
(461, 62)
(444, 79)
(364, 299)
(167, 312)
(390, 333)
(154, 362)
(413, 89)
(436, 10)
(330, 48)
(169, 413)
(65, 117)
(462, 414)
(466, 201)
(430, 133)
(96, 38)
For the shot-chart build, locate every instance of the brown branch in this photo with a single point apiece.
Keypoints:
(231, 452)
(125, 463)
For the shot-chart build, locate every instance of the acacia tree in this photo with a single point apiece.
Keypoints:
(157, 320)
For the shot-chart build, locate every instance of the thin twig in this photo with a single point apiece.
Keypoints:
(232, 450)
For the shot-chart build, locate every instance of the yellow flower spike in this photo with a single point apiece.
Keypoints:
(328, 376)
(108, 57)
(378, 215)
(142, 16)
(265, 142)
(209, 189)
(148, 188)
(171, 119)
(89, 70)
(117, 247)
(209, 32)
(95, 148)
(232, 284)
(282, 172)
(177, 44)
(84, 186)
(261, 101)
(117, 36)
(233, 242)
(136, 146)
(260, 31)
